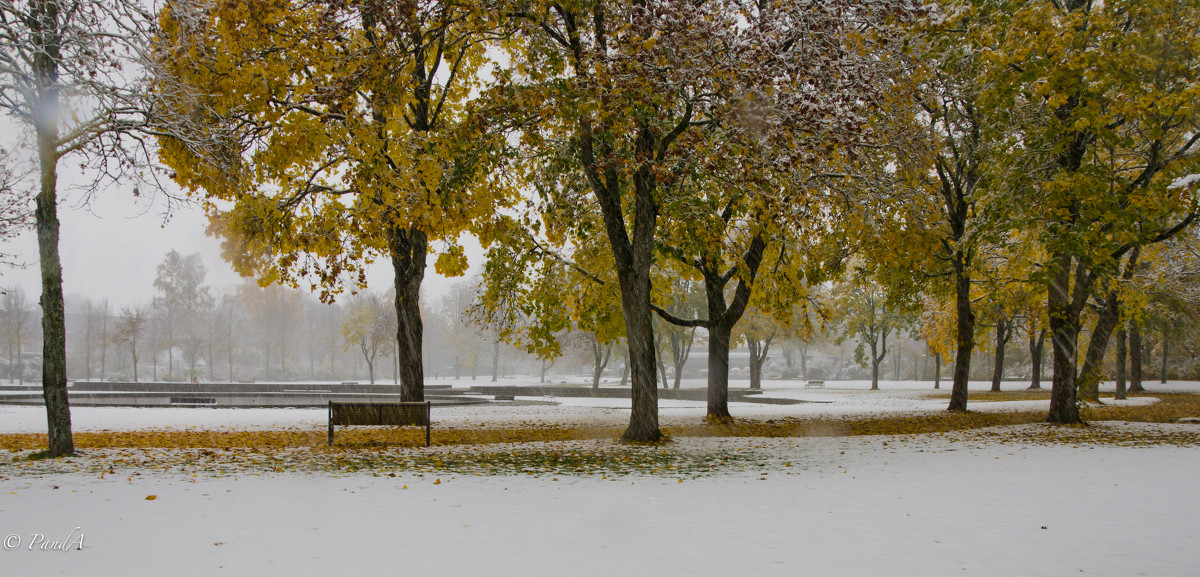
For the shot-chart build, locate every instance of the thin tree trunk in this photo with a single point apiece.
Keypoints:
(1163, 375)
(601, 362)
(1122, 337)
(45, 21)
(1110, 315)
(1002, 332)
(408, 248)
(804, 361)
(937, 371)
(1135, 357)
(758, 356)
(104, 341)
(680, 351)
(964, 337)
(1037, 355)
(875, 360)
(495, 359)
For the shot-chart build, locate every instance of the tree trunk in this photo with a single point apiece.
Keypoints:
(964, 337)
(1135, 357)
(104, 341)
(875, 360)
(1002, 335)
(633, 271)
(718, 372)
(1122, 337)
(495, 359)
(1109, 316)
(937, 371)
(680, 351)
(408, 249)
(601, 362)
(1163, 375)
(133, 353)
(1093, 358)
(45, 22)
(804, 361)
(229, 356)
(1064, 339)
(658, 358)
(896, 358)
(758, 356)
(1037, 355)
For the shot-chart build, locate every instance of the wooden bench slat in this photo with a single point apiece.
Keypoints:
(380, 414)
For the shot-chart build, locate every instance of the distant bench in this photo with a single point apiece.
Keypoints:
(379, 414)
(814, 384)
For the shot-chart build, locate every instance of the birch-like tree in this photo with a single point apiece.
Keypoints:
(66, 78)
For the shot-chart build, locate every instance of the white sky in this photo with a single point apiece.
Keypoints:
(111, 248)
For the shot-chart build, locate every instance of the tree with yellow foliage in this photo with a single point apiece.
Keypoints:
(325, 134)
(1104, 95)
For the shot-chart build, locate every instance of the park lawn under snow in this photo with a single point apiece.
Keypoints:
(967, 503)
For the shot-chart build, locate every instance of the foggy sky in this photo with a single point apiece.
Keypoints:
(110, 249)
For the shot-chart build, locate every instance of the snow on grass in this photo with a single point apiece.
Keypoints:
(1115, 498)
(906, 506)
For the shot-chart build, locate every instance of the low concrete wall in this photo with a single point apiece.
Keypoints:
(210, 387)
(228, 400)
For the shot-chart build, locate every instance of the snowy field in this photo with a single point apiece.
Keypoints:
(962, 504)
(838, 398)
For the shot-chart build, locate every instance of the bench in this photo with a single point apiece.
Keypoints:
(814, 384)
(379, 414)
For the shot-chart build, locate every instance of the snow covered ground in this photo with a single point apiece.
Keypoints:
(839, 398)
(962, 504)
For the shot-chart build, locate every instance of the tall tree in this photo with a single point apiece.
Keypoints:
(65, 77)
(631, 93)
(16, 320)
(947, 144)
(367, 328)
(340, 132)
(865, 314)
(130, 327)
(185, 302)
(1105, 92)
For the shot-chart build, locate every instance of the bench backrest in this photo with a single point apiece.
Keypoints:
(393, 414)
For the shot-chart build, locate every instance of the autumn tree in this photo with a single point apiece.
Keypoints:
(15, 215)
(15, 318)
(328, 134)
(1106, 92)
(274, 314)
(367, 328)
(637, 95)
(865, 313)
(758, 330)
(946, 150)
(130, 327)
(185, 303)
(68, 79)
